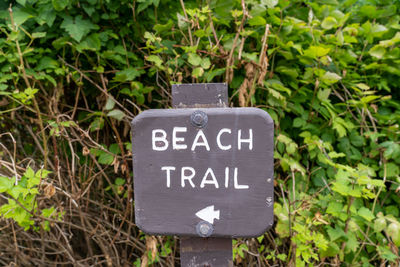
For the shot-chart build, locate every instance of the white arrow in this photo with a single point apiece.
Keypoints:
(208, 214)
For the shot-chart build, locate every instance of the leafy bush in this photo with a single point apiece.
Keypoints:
(22, 203)
(74, 73)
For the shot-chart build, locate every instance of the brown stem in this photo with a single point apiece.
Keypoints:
(187, 19)
(346, 227)
(230, 58)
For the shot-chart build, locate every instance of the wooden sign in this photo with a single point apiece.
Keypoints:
(203, 171)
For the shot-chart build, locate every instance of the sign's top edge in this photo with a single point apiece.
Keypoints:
(151, 113)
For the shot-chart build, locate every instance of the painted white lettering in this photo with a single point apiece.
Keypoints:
(222, 147)
(187, 177)
(226, 177)
(196, 142)
(176, 139)
(249, 140)
(157, 139)
(168, 169)
(212, 181)
(236, 183)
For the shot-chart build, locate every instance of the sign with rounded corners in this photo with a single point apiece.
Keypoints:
(203, 171)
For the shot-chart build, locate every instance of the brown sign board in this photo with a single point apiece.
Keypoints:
(203, 165)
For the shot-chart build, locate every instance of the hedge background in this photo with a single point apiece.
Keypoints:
(73, 73)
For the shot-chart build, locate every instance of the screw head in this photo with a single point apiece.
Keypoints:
(199, 119)
(204, 229)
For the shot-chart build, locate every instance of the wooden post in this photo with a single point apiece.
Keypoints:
(199, 251)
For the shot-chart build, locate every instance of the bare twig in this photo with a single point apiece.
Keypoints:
(128, 113)
(187, 19)
(229, 62)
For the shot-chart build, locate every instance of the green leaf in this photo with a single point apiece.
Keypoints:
(60, 42)
(92, 42)
(366, 214)
(287, 71)
(369, 98)
(38, 34)
(380, 224)
(352, 243)
(20, 16)
(386, 254)
(392, 210)
(198, 72)
(78, 28)
(378, 29)
(42, 173)
(17, 190)
(182, 23)
(270, 3)
(47, 63)
(128, 74)
(160, 28)
(32, 182)
(341, 188)
(338, 126)
(332, 250)
(48, 212)
(340, 38)
(106, 158)
(205, 63)
(392, 169)
(116, 114)
(394, 232)
(114, 148)
(257, 21)
(46, 15)
(96, 152)
(391, 42)
(194, 59)
(200, 33)
(329, 23)
(156, 59)
(330, 78)
(316, 51)
(282, 257)
(89, 9)
(323, 94)
(298, 122)
(6, 184)
(392, 150)
(377, 51)
(60, 5)
(335, 233)
(29, 173)
(21, 2)
(334, 208)
(143, 5)
(109, 104)
(362, 86)
(216, 72)
(119, 181)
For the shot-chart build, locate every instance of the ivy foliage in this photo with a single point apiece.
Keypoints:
(326, 71)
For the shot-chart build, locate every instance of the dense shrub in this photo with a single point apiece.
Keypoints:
(73, 73)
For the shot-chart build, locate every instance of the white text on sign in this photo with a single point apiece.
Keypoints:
(160, 142)
(188, 175)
